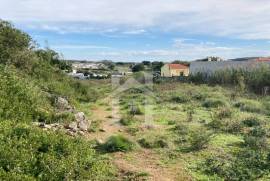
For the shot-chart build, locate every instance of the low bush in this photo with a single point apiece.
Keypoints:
(158, 142)
(214, 102)
(226, 125)
(127, 120)
(135, 110)
(180, 99)
(20, 100)
(224, 112)
(251, 122)
(256, 138)
(181, 131)
(118, 143)
(199, 139)
(30, 153)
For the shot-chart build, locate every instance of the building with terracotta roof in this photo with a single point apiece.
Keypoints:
(174, 70)
(263, 59)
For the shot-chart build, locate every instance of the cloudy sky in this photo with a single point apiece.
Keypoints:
(134, 30)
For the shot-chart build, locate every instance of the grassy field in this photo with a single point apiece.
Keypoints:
(167, 131)
(187, 132)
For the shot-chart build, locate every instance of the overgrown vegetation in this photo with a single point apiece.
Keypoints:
(30, 81)
(117, 143)
(255, 79)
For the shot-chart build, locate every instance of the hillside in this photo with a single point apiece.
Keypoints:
(31, 81)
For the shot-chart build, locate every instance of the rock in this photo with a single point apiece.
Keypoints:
(62, 104)
(42, 125)
(79, 116)
(81, 133)
(47, 126)
(83, 125)
(73, 126)
(99, 141)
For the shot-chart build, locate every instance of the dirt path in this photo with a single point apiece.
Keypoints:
(146, 161)
(137, 161)
(109, 121)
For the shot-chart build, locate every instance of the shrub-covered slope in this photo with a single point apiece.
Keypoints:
(30, 80)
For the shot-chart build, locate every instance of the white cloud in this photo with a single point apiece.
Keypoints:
(185, 51)
(68, 46)
(134, 32)
(245, 19)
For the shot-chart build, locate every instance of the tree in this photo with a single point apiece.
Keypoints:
(138, 67)
(147, 63)
(14, 44)
(156, 66)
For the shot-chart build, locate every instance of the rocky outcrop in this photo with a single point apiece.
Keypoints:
(78, 127)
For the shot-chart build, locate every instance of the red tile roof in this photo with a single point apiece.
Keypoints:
(178, 66)
(267, 59)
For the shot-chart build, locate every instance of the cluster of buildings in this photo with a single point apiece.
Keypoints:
(211, 65)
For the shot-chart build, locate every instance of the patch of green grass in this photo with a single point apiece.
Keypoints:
(117, 143)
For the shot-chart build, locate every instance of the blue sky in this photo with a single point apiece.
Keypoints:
(135, 30)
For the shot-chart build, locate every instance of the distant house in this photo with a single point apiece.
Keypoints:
(174, 70)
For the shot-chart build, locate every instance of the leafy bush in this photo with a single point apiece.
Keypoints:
(251, 122)
(245, 165)
(199, 139)
(117, 143)
(256, 138)
(135, 110)
(127, 120)
(224, 112)
(180, 99)
(159, 142)
(27, 153)
(214, 102)
(20, 100)
(182, 132)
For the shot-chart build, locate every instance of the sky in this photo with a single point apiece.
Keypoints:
(137, 30)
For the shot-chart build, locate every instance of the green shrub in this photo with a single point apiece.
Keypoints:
(224, 112)
(127, 120)
(181, 132)
(251, 122)
(199, 139)
(245, 165)
(159, 142)
(226, 125)
(20, 100)
(118, 143)
(135, 110)
(214, 102)
(180, 99)
(27, 153)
